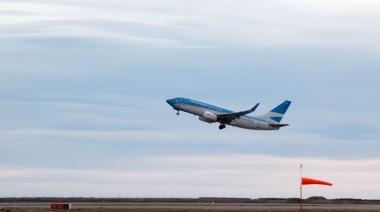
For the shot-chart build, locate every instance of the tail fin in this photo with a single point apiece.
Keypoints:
(275, 115)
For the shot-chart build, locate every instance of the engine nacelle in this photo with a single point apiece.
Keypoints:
(205, 120)
(208, 117)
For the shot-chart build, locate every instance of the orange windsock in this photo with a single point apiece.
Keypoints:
(309, 181)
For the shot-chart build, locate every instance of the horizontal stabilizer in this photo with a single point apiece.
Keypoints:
(278, 125)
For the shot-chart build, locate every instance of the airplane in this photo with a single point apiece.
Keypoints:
(210, 113)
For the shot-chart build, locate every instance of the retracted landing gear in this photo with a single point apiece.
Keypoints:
(222, 126)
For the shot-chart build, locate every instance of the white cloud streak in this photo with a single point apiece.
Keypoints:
(184, 24)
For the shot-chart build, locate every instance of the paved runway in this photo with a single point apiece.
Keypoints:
(199, 206)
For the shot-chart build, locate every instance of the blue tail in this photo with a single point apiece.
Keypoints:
(275, 115)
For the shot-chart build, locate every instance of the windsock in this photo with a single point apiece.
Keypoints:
(310, 181)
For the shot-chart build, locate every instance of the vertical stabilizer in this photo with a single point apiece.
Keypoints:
(275, 115)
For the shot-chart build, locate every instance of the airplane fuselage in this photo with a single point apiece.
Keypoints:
(202, 109)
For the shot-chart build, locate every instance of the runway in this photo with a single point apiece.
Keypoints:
(200, 206)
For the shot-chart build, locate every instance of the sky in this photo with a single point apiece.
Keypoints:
(84, 84)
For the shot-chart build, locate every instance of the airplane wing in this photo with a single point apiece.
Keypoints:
(228, 118)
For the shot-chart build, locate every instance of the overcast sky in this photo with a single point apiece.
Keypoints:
(83, 87)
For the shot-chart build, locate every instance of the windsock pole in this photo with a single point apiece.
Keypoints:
(301, 187)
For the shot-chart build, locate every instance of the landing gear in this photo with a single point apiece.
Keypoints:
(222, 126)
(177, 113)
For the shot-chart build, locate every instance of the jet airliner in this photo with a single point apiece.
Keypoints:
(210, 113)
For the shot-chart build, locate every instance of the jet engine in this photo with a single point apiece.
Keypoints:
(208, 117)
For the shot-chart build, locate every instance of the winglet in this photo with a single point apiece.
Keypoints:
(254, 108)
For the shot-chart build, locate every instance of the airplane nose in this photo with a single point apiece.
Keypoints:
(170, 101)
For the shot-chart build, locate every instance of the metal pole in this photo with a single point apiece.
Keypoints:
(301, 187)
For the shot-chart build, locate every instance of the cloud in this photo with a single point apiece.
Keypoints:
(235, 175)
(65, 24)
(199, 24)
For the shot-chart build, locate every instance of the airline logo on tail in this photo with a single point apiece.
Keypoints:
(275, 115)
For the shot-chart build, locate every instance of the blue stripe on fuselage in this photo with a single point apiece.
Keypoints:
(214, 108)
